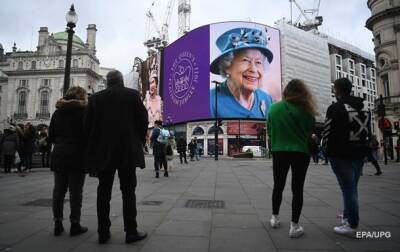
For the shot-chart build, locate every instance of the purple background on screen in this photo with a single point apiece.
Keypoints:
(186, 78)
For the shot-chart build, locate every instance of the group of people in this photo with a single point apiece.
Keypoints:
(345, 139)
(80, 134)
(19, 142)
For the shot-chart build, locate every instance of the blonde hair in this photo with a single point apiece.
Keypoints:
(298, 93)
(76, 93)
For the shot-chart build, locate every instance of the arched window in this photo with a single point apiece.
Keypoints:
(212, 130)
(44, 102)
(61, 64)
(198, 131)
(33, 65)
(22, 103)
(20, 65)
(75, 63)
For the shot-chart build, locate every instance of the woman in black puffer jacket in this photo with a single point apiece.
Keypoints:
(66, 133)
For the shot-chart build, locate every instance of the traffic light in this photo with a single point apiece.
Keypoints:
(396, 125)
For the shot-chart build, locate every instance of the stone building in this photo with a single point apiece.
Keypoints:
(385, 26)
(32, 81)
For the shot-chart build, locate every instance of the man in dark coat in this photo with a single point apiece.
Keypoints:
(181, 147)
(116, 125)
(159, 150)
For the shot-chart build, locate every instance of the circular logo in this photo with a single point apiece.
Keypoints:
(183, 77)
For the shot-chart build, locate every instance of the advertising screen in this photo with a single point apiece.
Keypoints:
(241, 58)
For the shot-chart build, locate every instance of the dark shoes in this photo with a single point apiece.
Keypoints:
(378, 173)
(130, 238)
(166, 174)
(104, 237)
(157, 175)
(77, 229)
(58, 228)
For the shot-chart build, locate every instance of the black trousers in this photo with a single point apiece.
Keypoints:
(372, 159)
(8, 162)
(127, 180)
(45, 158)
(182, 155)
(160, 160)
(72, 180)
(298, 162)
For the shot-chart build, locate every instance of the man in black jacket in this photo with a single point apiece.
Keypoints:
(346, 133)
(116, 125)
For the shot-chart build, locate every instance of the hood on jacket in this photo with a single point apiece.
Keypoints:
(70, 104)
(353, 101)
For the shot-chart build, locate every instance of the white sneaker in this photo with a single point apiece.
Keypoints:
(295, 230)
(345, 230)
(274, 221)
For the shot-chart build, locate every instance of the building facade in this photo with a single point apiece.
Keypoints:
(385, 26)
(32, 81)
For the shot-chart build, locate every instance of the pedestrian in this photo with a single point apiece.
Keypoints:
(372, 154)
(345, 134)
(159, 145)
(171, 146)
(196, 149)
(19, 128)
(314, 148)
(44, 147)
(67, 160)
(181, 147)
(290, 124)
(9, 147)
(116, 124)
(398, 149)
(28, 145)
(192, 149)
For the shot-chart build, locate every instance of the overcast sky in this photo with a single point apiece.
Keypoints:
(121, 23)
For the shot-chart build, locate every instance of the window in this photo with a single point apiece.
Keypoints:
(44, 103)
(22, 102)
(385, 83)
(46, 82)
(198, 131)
(61, 64)
(363, 83)
(351, 63)
(75, 63)
(20, 65)
(33, 65)
(211, 131)
(338, 60)
(23, 83)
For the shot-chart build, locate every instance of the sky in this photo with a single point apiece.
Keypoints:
(121, 24)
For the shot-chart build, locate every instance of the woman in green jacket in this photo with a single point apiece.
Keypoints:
(290, 124)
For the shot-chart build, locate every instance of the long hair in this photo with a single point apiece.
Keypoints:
(297, 93)
(76, 93)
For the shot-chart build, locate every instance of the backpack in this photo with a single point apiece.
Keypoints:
(163, 136)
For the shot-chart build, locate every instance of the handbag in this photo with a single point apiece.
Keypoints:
(17, 159)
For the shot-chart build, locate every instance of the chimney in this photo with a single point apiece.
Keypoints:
(43, 35)
(91, 37)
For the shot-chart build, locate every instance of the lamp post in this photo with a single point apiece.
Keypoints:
(71, 18)
(217, 83)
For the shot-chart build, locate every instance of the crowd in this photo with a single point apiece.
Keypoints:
(81, 143)
(19, 143)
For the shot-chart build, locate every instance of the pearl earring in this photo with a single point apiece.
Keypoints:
(228, 75)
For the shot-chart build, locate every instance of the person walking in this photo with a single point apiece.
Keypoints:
(159, 146)
(116, 125)
(372, 154)
(192, 149)
(67, 160)
(181, 147)
(290, 124)
(171, 146)
(314, 148)
(346, 132)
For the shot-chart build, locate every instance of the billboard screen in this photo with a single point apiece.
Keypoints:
(242, 57)
(149, 88)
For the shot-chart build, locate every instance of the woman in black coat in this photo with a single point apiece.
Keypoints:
(66, 133)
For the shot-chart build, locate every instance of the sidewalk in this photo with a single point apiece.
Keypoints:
(243, 189)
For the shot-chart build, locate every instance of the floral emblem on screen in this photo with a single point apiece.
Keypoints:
(183, 78)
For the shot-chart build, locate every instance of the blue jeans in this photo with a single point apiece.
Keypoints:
(348, 173)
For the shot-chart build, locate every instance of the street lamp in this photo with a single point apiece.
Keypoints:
(217, 83)
(71, 18)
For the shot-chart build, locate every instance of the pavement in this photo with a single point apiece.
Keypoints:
(231, 212)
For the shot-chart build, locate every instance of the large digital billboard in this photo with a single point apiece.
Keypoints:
(241, 58)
